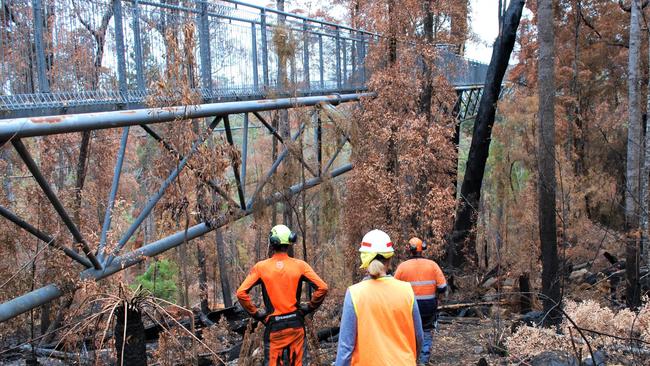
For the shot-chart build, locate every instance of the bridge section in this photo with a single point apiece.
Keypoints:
(83, 68)
(71, 56)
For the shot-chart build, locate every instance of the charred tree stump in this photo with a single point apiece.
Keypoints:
(129, 337)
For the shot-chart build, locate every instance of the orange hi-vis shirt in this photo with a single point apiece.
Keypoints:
(281, 278)
(385, 326)
(424, 275)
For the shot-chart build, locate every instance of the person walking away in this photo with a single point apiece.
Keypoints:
(428, 281)
(281, 279)
(381, 324)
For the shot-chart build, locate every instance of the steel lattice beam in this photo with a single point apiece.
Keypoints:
(15, 129)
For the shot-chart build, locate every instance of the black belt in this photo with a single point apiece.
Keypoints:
(284, 321)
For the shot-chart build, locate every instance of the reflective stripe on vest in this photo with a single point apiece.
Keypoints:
(422, 283)
(385, 328)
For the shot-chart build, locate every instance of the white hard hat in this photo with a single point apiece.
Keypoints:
(376, 241)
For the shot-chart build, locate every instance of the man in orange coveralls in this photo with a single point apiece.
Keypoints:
(427, 280)
(281, 278)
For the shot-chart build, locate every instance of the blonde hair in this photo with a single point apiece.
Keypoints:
(377, 268)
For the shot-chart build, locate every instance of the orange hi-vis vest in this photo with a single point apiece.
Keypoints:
(424, 275)
(385, 328)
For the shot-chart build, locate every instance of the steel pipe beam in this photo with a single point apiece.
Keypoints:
(43, 295)
(41, 126)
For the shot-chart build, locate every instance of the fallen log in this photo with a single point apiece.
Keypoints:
(467, 320)
(51, 353)
(469, 305)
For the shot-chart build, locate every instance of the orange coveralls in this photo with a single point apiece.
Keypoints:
(281, 278)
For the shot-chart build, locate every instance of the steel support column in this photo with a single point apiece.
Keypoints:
(265, 49)
(256, 78)
(344, 55)
(362, 58)
(321, 62)
(117, 172)
(235, 166)
(338, 58)
(204, 50)
(137, 40)
(305, 55)
(119, 48)
(39, 48)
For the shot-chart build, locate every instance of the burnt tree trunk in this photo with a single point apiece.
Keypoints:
(524, 289)
(223, 269)
(129, 337)
(82, 165)
(632, 286)
(5, 155)
(546, 163)
(461, 246)
(274, 155)
(633, 163)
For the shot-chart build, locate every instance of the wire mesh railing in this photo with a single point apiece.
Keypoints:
(67, 53)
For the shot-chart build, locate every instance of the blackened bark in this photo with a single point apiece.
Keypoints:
(223, 269)
(81, 175)
(427, 90)
(6, 180)
(524, 290)
(54, 325)
(576, 136)
(131, 350)
(632, 288)
(203, 279)
(461, 246)
(546, 163)
(392, 34)
(274, 155)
